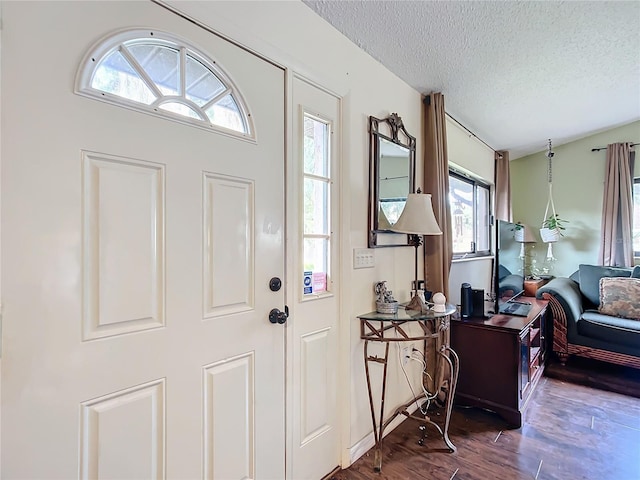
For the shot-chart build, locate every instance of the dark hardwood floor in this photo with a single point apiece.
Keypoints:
(570, 432)
(600, 375)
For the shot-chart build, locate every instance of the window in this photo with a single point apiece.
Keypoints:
(470, 216)
(636, 217)
(157, 73)
(316, 205)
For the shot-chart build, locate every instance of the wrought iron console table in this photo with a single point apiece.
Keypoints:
(431, 327)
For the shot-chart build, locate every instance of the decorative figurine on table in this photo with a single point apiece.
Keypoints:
(385, 303)
(439, 303)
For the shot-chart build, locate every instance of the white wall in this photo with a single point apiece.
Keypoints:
(473, 157)
(468, 153)
(1, 336)
(578, 188)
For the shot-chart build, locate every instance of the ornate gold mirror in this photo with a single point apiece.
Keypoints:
(392, 167)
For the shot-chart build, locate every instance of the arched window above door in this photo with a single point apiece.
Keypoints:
(158, 73)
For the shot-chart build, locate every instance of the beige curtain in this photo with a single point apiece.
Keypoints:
(503, 186)
(438, 250)
(616, 244)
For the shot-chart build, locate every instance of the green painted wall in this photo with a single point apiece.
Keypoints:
(578, 186)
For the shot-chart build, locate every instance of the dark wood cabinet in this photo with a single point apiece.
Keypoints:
(501, 360)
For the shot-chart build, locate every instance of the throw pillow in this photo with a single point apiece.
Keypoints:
(620, 297)
(590, 276)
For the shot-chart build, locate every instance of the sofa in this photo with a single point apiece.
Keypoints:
(596, 314)
(509, 283)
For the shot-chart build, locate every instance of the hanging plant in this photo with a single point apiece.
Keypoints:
(554, 222)
(518, 232)
(552, 225)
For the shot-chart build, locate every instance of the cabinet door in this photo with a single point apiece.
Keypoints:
(524, 364)
(544, 341)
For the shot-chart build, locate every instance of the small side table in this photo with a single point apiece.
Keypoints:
(388, 328)
(532, 286)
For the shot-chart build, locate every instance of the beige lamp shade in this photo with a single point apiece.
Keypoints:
(418, 217)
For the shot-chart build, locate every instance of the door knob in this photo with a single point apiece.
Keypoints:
(277, 316)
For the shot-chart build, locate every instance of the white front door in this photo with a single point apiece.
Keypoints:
(137, 253)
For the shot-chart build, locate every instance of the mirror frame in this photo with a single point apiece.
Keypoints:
(392, 127)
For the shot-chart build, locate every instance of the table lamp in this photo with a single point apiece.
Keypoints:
(527, 238)
(417, 219)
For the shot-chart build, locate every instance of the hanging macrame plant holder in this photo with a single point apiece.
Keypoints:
(549, 235)
(550, 257)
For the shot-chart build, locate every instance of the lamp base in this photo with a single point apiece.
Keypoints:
(416, 303)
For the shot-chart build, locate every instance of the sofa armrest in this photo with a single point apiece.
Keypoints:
(511, 283)
(567, 293)
(565, 303)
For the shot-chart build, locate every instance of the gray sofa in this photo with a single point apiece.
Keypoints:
(509, 283)
(579, 325)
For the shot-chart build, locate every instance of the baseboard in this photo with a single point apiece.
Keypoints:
(368, 442)
(330, 475)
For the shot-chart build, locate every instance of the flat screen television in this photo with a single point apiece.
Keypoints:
(508, 274)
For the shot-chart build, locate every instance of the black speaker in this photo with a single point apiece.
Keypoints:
(477, 295)
(466, 300)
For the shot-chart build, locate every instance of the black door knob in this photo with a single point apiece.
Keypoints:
(277, 316)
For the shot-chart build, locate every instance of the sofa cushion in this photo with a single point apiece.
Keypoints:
(636, 272)
(609, 329)
(590, 276)
(620, 297)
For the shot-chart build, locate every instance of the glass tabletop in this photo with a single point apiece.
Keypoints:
(408, 315)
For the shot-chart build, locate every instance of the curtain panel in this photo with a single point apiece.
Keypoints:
(503, 186)
(438, 250)
(616, 243)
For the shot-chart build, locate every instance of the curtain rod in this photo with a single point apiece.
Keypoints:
(470, 132)
(604, 148)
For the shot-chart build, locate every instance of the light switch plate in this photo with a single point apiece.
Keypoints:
(363, 258)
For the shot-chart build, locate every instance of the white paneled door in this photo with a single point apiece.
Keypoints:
(314, 410)
(137, 253)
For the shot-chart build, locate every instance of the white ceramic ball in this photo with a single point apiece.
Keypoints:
(439, 301)
(439, 298)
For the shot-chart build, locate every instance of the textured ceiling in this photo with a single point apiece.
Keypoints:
(515, 73)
